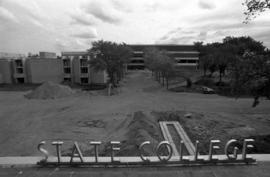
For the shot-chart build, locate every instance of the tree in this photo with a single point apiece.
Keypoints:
(109, 56)
(204, 61)
(239, 45)
(166, 66)
(252, 73)
(255, 7)
(150, 55)
(160, 63)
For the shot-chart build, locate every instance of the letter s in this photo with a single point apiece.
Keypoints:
(42, 150)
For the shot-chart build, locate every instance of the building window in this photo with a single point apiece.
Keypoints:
(19, 70)
(84, 70)
(192, 61)
(18, 63)
(84, 80)
(137, 54)
(83, 62)
(137, 61)
(20, 80)
(66, 62)
(67, 70)
(67, 79)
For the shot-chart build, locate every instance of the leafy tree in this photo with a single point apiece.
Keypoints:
(252, 73)
(239, 45)
(150, 55)
(255, 7)
(213, 65)
(160, 63)
(246, 60)
(166, 66)
(111, 57)
(204, 61)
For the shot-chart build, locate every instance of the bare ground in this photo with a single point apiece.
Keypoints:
(88, 116)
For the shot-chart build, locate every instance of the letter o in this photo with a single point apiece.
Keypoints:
(167, 144)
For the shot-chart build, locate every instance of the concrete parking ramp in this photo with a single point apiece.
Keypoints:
(182, 136)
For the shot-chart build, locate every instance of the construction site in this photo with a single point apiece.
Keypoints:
(141, 110)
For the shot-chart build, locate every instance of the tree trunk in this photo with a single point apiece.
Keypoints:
(111, 75)
(189, 82)
(167, 83)
(220, 76)
(163, 79)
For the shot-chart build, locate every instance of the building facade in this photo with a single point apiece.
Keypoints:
(186, 56)
(39, 70)
(74, 67)
(5, 71)
(78, 70)
(19, 70)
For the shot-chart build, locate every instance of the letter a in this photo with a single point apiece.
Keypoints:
(76, 152)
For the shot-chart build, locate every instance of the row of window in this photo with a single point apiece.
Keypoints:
(83, 70)
(178, 61)
(84, 80)
(187, 61)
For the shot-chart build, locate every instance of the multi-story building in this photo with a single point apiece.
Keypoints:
(11, 67)
(19, 72)
(81, 70)
(67, 69)
(78, 70)
(76, 67)
(185, 55)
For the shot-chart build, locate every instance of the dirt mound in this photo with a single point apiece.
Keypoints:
(141, 128)
(50, 90)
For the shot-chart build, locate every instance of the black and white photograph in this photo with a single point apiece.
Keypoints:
(129, 88)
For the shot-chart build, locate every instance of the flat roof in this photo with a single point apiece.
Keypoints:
(74, 53)
(169, 47)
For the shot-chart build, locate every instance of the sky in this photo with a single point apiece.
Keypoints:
(71, 25)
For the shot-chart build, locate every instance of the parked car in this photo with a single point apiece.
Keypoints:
(207, 90)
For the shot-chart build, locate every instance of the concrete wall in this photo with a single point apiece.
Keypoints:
(5, 71)
(44, 69)
(76, 70)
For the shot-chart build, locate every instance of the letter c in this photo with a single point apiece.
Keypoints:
(141, 151)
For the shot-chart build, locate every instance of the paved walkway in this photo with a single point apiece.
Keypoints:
(262, 169)
(25, 167)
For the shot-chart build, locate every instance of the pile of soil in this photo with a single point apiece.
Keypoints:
(142, 127)
(50, 90)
